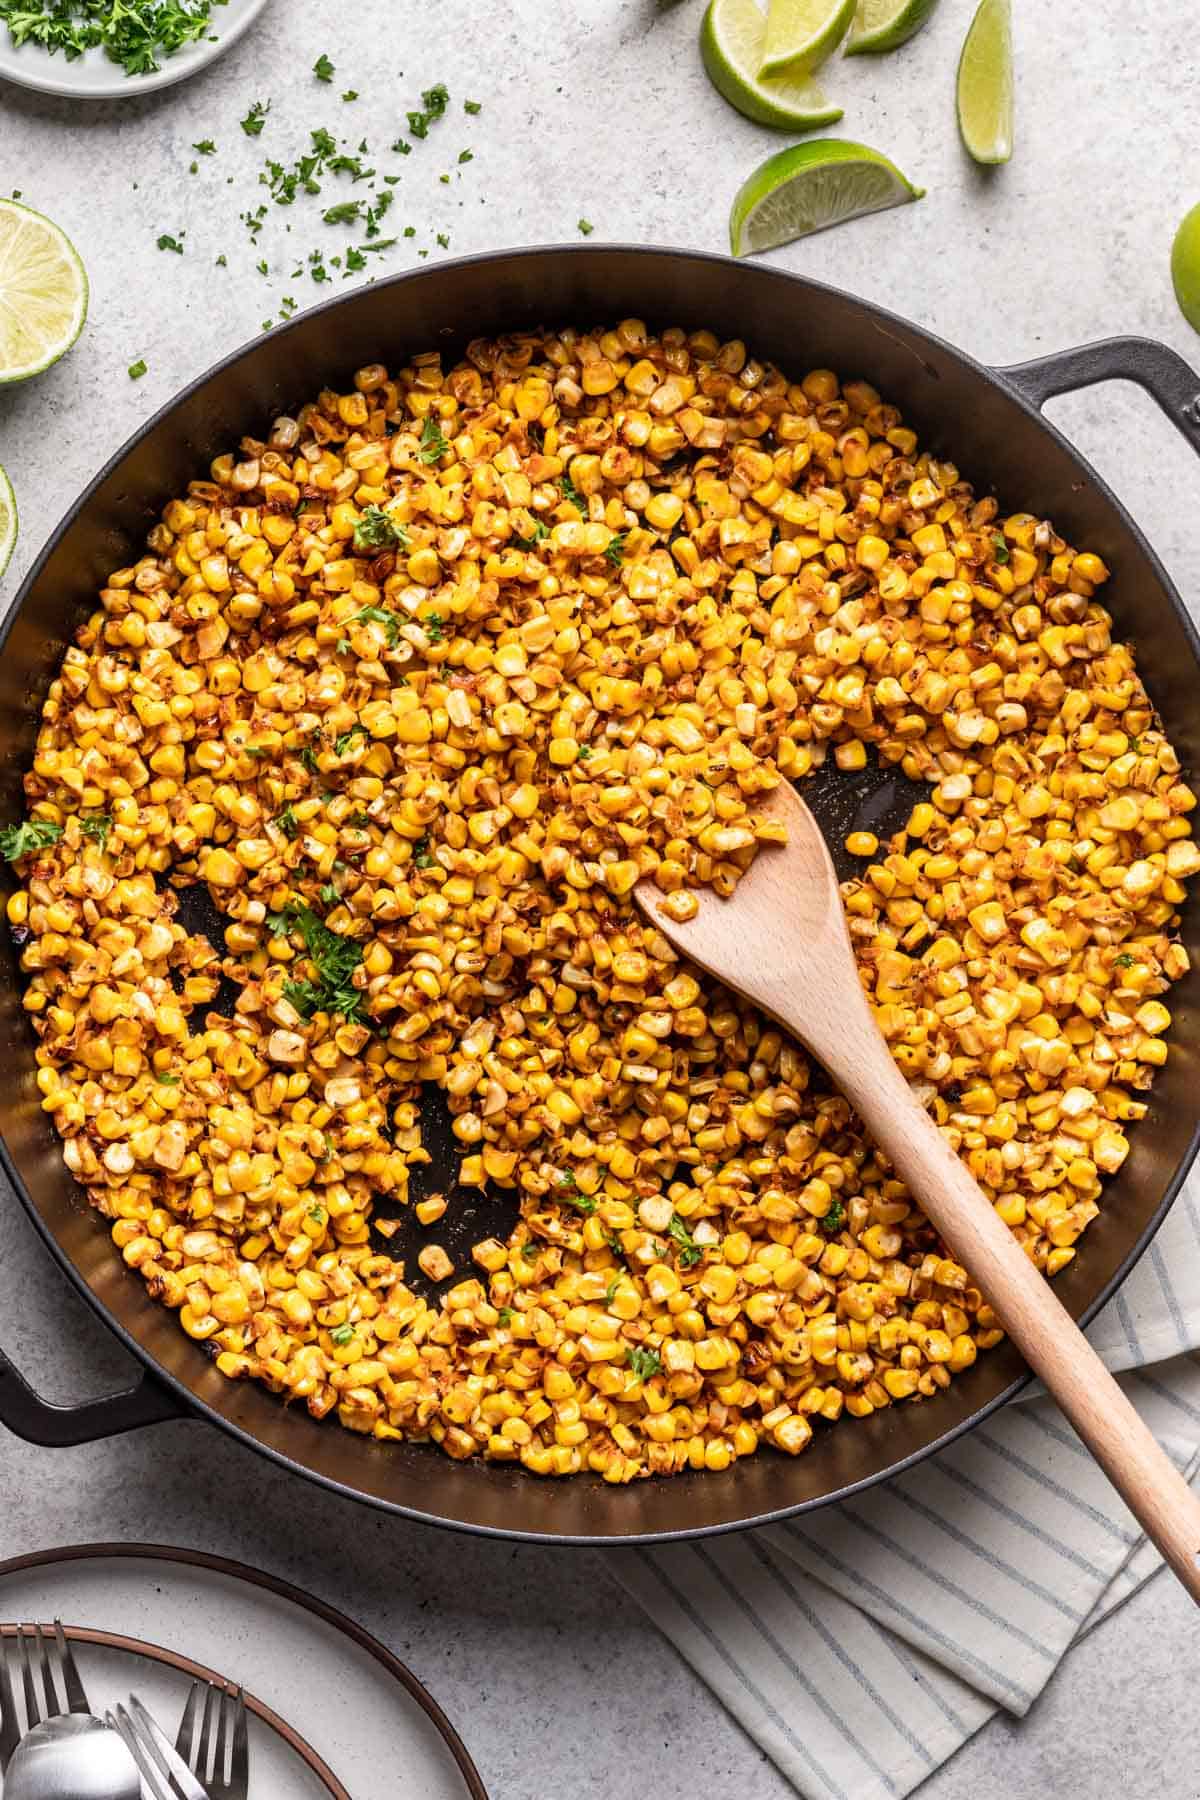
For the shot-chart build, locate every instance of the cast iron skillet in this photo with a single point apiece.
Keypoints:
(989, 423)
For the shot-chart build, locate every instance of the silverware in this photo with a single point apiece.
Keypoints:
(215, 1745)
(156, 1784)
(68, 1750)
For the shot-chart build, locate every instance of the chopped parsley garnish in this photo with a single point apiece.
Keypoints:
(570, 492)
(342, 744)
(434, 101)
(205, 147)
(1124, 961)
(34, 834)
(335, 959)
(422, 854)
(586, 227)
(323, 68)
(167, 242)
(585, 751)
(343, 1335)
(834, 1219)
(433, 444)
(570, 1195)
(506, 1315)
(137, 369)
(256, 118)
(133, 36)
(644, 1363)
(98, 826)
(1000, 550)
(329, 895)
(535, 537)
(376, 531)
(612, 1287)
(690, 1252)
(614, 550)
(466, 156)
(344, 213)
(472, 106)
(317, 1214)
(287, 822)
(350, 94)
(379, 615)
(531, 1250)
(167, 1080)
(434, 628)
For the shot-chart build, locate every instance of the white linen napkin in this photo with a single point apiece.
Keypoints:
(860, 1646)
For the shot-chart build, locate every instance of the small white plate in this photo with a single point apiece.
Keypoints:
(365, 1714)
(94, 77)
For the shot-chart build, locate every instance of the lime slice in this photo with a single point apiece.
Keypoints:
(731, 43)
(1185, 267)
(809, 186)
(985, 84)
(801, 34)
(882, 25)
(43, 292)
(8, 520)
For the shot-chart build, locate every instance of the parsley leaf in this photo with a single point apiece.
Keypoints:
(376, 531)
(137, 369)
(1124, 961)
(433, 444)
(323, 68)
(571, 493)
(98, 826)
(335, 959)
(434, 627)
(288, 823)
(34, 834)
(343, 1335)
(472, 106)
(378, 615)
(614, 551)
(834, 1219)
(506, 1315)
(586, 227)
(167, 1080)
(690, 1252)
(1000, 550)
(644, 1363)
(256, 118)
(205, 147)
(342, 744)
(167, 242)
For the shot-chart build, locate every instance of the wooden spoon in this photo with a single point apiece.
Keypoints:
(782, 942)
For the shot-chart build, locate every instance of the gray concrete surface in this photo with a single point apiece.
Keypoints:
(599, 111)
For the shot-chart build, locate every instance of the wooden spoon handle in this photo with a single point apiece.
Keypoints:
(1044, 1332)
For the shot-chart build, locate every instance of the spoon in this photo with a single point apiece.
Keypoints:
(72, 1757)
(781, 940)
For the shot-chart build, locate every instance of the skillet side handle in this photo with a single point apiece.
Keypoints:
(59, 1427)
(1165, 376)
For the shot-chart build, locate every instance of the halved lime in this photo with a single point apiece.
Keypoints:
(731, 42)
(1185, 267)
(809, 186)
(985, 84)
(8, 520)
(882, 25)
(801, 34)
(43, 292)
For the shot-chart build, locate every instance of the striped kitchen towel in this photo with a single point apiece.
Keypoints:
(862, 1645)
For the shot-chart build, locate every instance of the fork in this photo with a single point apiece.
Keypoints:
(55, 1663)
(216, 1741)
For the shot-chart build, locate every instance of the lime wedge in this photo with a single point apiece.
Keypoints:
(1185, 267)
(809, 186)
(43, 292)
(8, 520)
(801, 34)
(882, 25)
(985, 84)
(731, 42)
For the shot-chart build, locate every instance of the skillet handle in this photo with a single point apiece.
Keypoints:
(39, 1422)
(1165, 376)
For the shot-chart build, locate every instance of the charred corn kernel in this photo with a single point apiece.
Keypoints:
(645, 577)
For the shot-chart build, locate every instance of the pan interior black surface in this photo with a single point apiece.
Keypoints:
(960, 409)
